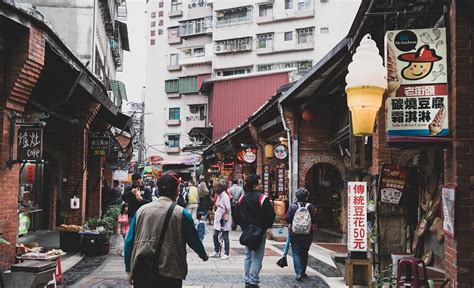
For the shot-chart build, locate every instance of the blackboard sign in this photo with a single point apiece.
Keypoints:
(99, 145)
(30, 143)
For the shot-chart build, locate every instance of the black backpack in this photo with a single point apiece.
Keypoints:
(183, 198)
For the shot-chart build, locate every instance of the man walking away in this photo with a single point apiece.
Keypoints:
(148, 226)
(136, 195)
(193, 199)
(256, 213)
(303, 222)
(222, 221)
(116, 194)
(236, 191)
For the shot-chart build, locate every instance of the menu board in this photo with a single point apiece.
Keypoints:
(393, 183)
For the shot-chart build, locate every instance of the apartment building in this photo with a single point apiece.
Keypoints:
(191, 41)
(96, 31)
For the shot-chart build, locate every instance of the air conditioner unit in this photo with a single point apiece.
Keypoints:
(219, 47)
(246, 47)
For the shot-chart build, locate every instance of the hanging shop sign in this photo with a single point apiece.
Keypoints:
(214, 170)
(30, 173)
(238, 171)
(280, 180)
(266, 179)
(280, 151)
(99, 145)
(448, 193)
(416, 62)
(120, 175)
(247, 155)
(357, 216)
(392, 183)
(30, 143)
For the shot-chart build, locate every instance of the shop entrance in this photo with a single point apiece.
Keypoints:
(325, 183)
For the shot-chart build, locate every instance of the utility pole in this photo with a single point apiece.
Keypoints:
(138, 109)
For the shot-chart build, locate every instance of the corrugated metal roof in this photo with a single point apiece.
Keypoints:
(235, 100)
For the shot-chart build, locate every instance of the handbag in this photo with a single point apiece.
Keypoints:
(251, 237)
(147, 268)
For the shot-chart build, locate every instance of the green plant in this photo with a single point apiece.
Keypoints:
(385, 276)
(113, 211)
(93, 223)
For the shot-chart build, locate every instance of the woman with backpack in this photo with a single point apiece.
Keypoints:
(301, 215)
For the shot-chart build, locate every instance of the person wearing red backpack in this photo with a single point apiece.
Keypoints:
(301, 215)
(255, 216)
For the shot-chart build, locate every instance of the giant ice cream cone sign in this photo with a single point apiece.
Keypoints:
(365, 86)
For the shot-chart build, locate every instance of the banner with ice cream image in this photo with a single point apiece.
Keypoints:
(417, 78)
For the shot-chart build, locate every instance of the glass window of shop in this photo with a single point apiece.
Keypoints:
(30, 198)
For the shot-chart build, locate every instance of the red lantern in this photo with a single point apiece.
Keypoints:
(307, 115)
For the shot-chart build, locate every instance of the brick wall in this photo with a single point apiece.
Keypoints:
(24, 66)
(94, 189)
(459, 252)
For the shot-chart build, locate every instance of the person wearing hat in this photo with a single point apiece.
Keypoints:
(147, 226)
(136, 195)
(255, 213)
(301, 240)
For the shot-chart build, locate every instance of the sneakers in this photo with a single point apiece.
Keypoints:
(214, 255)
(298, 278)
(224, 257)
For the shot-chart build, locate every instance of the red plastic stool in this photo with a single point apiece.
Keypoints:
(58, 274)
(408, 273)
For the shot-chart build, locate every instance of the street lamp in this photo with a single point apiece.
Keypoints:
(366, 84)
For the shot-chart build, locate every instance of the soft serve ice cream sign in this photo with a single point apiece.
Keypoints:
(417, 79)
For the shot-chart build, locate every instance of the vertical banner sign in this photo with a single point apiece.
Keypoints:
(357, 216)
(266, 179)
(30, 173)
(99, 145)
(448, 193)
(280, 180)
(30, 143)
(393, 181)
(417, 78)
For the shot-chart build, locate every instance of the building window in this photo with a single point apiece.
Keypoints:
(301, 66)
(304, 4)
(188, 85)
(198, 109)
(160, 13)
(174, 113)
(153, 23)
(160, 4)
(174, 59)
(265, 10)
(152, 41)
(173, 32)
(232, 72)
(152, 33)
(265, 40)
(194, 52)
(288, 4)
(233, 45)
(153, 14)
(195, 26)
(173, 140)
(172, 86)
(289, 36)
(232, 16)
(160, 31)
(160, 23)
(305, 35)
(176, 5)
(324, 30)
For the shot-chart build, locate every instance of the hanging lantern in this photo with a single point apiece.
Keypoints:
(365, 86)
(268, 151)
(307, 115)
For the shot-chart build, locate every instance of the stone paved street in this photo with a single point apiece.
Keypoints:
(226, 273)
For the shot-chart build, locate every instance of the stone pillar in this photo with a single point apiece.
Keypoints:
(25, 62)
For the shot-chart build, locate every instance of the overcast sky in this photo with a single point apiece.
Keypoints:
(133, 74)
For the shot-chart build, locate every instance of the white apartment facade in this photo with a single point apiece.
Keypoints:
(194, 40)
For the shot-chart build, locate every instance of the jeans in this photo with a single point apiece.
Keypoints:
(300, 250)
(225, 235)
(253, 262)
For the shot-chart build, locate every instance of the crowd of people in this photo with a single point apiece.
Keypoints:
(158, 221)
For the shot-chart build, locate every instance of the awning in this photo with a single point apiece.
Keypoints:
(124, 35)
(119, 89)
(315, 77)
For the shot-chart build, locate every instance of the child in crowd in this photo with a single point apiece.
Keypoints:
(123, 221)
(201, 225)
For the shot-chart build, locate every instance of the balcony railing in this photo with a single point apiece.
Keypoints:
(232, 21)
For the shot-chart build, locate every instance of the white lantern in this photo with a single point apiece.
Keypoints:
(365, 86)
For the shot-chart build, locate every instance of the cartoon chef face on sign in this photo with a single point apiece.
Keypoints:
(420, 63)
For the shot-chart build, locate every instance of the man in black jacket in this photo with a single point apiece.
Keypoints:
(254, 209)
(136, 195)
